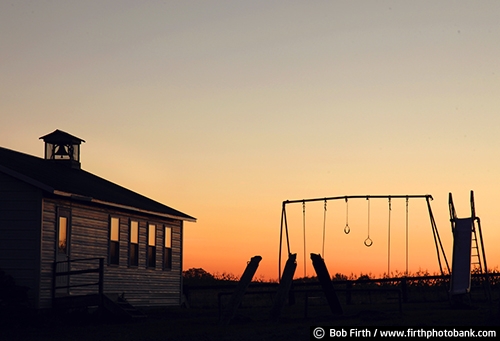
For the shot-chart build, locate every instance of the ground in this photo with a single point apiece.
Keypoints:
(250, 323)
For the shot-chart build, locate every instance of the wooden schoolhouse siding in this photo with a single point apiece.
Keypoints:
(143, 286)
(48, 245)
(20, 215)
(89, 237)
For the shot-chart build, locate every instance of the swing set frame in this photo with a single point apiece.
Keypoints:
(428, 198)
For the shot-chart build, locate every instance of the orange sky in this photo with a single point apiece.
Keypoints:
(223, 110)
(343, 253)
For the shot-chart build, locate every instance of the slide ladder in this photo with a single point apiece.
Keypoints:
(475, 256)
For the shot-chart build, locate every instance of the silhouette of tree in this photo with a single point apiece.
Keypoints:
(197, 276)
(339, 277)
(226, 277)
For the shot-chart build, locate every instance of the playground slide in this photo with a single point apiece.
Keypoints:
(461, 264)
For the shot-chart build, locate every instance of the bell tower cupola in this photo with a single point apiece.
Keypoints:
(63, 148)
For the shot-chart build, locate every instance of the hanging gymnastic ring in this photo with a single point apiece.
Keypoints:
(368, 242)
(347, 229)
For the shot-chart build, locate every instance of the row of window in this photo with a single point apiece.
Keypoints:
(133, 244)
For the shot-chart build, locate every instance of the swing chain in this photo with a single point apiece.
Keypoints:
(368, 242)
(304, 232)
(324, 229)
(347, 229)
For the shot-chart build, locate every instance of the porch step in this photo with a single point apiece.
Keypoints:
(117, 304)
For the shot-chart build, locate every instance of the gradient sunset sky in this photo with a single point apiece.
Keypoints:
(224, 109)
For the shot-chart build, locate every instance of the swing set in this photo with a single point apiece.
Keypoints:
(368, 242)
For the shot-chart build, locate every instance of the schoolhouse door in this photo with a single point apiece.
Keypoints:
(62, 250)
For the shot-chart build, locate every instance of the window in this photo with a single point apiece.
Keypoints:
(151, 261)
(134, 244)
(63, 233)
(63, 236)
(63, 250)
(114, 241)
(167, 252)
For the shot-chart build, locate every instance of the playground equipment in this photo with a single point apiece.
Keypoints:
(326, 283)
(284, 287)
(284, 233)
(468, 254)
(239, 292)
(468, 251)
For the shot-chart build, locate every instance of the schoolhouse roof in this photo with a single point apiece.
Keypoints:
(74, 183)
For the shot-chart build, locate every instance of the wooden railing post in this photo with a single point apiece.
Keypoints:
(68, 270)
(348, 293)
(101, 276)
(404, 289)
(54, 270)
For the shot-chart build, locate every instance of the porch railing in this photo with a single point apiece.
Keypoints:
(63, 268)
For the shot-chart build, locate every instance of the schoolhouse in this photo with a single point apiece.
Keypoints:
(66, 233)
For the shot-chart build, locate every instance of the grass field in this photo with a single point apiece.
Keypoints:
(201, 320)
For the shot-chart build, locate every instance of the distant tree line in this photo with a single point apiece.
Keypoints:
(200, 277)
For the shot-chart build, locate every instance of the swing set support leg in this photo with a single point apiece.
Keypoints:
(326, 283)
(284, 287)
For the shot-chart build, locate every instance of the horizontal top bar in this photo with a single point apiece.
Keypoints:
(78, 260)
(347, 197)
